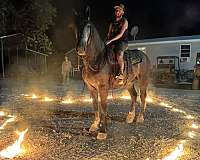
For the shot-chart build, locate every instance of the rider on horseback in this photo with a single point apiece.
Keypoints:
(118, 37)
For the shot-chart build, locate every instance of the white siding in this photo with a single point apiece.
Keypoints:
(170, 49)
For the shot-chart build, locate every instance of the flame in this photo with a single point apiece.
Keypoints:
(178, 110)
(47, 99)
(68, 101)
(110, 97)
(34, 96)
(2, 113)
(150, 100)
(176, 153)
(125, 97)
(194, 126)
(10, 116)
(189, 117)
(191, 134)
(87, 100)
(6, 122)
(15, 149)
(165, 105)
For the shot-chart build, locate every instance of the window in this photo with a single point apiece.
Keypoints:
(185, 51)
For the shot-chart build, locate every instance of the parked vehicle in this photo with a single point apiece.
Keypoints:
(196, 79)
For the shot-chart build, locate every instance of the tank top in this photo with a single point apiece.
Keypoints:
(116, 28)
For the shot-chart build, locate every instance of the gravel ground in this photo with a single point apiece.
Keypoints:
(56, 131)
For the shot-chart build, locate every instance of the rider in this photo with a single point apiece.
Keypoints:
(118, 36)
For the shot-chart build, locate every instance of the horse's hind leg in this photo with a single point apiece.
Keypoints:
(143, 93)
(95, 124)
(131, 114)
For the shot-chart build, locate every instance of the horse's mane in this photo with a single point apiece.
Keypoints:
(98, 44)
(96, 48)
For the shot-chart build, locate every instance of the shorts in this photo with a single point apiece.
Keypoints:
(120, 47)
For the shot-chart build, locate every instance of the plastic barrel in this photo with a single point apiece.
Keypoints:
(195, 83)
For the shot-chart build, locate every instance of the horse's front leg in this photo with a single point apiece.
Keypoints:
(103, 93)
(95, 125)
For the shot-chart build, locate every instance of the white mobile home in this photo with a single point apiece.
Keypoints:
(184, 47)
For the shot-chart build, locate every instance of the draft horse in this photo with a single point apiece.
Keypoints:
(98, 75)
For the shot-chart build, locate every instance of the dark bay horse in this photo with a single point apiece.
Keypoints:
(99, 78)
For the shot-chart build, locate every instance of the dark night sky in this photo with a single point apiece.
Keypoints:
(155, 18)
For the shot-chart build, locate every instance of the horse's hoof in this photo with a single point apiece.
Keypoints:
(93, 128)
(130, 117)
(101, 136)
(140, 119)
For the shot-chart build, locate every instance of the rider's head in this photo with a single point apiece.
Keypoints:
(119, 10)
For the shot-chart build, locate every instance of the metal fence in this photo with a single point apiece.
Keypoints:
(14, 54)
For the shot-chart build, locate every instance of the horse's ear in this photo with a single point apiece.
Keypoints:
(88, 12)
(75, 12)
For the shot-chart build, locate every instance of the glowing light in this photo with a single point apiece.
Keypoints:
(15, 149)
(68, 101)
(178, 110)
(194, 126)
(189, 117)
(110, 97)
(165, 105)
(47, 99)
(150, 100)
(191, 134)
(6, 122)
(34, 96)
(176, 153)
(26, 95)
(10, 116)
(2, 113)
(87, 100)
(125, 97)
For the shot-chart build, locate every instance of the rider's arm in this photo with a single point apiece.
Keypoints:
(124, 27)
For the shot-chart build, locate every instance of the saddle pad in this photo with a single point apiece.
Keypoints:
(133, 56)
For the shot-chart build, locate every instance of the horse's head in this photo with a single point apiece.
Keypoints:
(84, 38)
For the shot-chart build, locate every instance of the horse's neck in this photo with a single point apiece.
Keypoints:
(96, 62)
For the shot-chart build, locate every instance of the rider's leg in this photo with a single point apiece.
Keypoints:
(120, 47)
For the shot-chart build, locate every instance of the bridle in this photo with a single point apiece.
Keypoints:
(85, 57)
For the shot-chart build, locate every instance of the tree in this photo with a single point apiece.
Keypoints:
(6, 10)
(31, 18)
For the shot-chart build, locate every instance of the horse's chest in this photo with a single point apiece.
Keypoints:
(95, 80)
